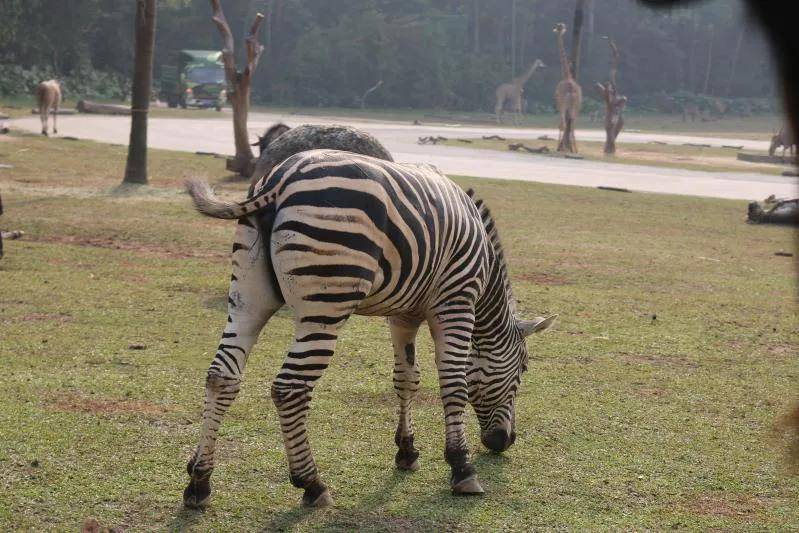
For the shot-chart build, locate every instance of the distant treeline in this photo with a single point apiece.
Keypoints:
(428, 53)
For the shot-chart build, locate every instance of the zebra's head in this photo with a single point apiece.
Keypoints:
(494, 375)
(499, 353)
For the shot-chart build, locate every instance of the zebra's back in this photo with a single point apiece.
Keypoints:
(369, 236)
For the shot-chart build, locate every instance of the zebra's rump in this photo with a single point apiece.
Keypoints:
(368, 236)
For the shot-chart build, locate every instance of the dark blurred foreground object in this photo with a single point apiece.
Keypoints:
(780, 29)
(281, 142)
(774, 211)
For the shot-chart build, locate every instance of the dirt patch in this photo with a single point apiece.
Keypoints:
(656, 360)
(59, 318)
(542, 278)
(726, 505)
(114, 244)
(654, 392)
(75, 403)
(782, 351)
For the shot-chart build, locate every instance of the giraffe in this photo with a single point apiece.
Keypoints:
(568, 97)
(513, 92)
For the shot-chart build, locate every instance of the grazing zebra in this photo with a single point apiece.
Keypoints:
(333, 234)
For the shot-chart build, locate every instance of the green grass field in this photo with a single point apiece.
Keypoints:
(652, 405)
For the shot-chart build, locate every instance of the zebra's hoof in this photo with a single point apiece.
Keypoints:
(317, 495)
(197, 493)
(467, 487)
(407, 460)
(408, 465)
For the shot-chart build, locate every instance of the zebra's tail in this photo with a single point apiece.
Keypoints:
(210, 205)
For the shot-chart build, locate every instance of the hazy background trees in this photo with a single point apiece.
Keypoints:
(429, 53)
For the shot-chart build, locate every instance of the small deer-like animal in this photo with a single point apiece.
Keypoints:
(48, 96)
(785, 139)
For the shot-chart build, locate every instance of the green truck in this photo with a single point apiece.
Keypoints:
(195, 78)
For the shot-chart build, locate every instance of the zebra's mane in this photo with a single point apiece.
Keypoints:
(493, 235)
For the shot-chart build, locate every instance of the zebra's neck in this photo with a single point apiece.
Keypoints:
(494, 310)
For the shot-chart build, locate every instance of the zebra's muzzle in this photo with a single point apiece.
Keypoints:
(498, 440)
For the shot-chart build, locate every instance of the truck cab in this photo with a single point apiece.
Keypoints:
(196, 78)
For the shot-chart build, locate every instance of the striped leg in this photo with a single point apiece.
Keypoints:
(313, 346)
(251, 302)
(452, 334)
(406, 384)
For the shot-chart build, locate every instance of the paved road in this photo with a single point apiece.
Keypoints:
(215, 135)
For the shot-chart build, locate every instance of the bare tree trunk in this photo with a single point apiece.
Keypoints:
(238, 87)
(136, 167)
(736, 55)
(708, 67)
(614, 103)
(692, 56)
(476, 35)
(513, 38)
(577, 38)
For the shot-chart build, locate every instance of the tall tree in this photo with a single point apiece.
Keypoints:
(577, 38)
(239, 85)
(136, 168)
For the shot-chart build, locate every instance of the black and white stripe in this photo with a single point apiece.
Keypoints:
(333, 234)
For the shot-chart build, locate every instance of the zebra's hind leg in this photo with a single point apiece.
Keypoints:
(314, 344)
(451, 327)
(406, 384)
(252, 300)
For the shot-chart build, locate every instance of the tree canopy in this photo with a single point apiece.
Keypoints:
(429, 53)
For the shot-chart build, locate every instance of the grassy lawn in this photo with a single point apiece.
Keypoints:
(713, 159)
(651, 405)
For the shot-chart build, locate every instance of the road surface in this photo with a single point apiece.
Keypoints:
(216, 135)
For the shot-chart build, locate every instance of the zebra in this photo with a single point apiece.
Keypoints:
(332, 234)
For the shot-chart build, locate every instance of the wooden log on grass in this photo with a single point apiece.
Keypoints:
(85, 106)
(764, 158)
(521, 147)
(60, 112)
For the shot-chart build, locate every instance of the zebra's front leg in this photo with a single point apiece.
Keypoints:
(452, 333)
(292, 390)
(406, 384)
(251, 302)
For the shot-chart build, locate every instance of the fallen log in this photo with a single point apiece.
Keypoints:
(614, 189)
(516, 147)
(85, 106)
(468, 141)
(494, 138)
(60, 112)
(11, 235)
(695, 145)
(774, 211)
(764, 158)
(732, 147)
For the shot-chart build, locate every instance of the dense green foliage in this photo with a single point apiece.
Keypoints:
(429, 53)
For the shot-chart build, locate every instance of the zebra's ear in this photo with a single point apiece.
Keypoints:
(528, 327)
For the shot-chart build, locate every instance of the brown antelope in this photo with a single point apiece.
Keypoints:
(785, 139)
(48, 96)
